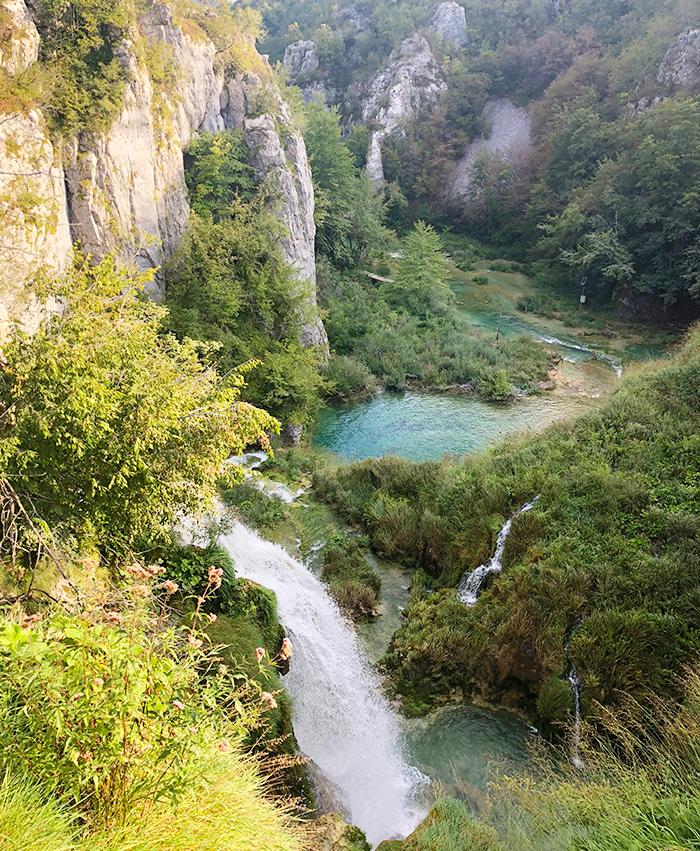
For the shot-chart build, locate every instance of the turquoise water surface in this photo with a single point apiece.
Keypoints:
(426, 426)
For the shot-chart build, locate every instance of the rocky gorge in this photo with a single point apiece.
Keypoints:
(124, 188)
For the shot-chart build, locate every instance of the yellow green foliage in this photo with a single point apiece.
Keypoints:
(110, 425)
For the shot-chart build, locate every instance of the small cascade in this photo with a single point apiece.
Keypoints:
(575, 683)
(470, 586)
(341, 720)
(545, 338)
(250, 461)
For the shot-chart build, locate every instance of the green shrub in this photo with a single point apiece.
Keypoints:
(555, 701)
(78, 41)
(107, 709)
(353, 583)
(481, 280)
(262, 511)
(348, 379)
(451, 827)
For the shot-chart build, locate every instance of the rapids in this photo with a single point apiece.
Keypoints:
(468, 589)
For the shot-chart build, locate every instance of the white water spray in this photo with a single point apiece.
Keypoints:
(575, 683)
(250, 461)
(341, 720)
(545, 338)
(468, 589)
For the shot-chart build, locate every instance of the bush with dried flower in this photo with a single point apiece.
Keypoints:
(109, 711)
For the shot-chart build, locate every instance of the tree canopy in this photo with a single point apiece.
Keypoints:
(109, 425)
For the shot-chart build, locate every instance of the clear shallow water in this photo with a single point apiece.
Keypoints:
(426, 426)
(457, 743)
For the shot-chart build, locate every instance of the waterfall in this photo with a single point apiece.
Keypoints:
(341, 720)
(575, 683)
(468, 589)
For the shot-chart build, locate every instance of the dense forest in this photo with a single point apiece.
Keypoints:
(608, 188)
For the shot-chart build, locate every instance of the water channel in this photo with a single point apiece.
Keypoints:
(381, 769)
(425, 426)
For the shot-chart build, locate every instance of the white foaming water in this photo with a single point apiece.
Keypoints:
(468, 589)
(575, 684)
(544, 338)
(341, 720)
(250, 461)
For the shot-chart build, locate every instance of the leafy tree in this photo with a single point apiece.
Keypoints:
(78, 38)
(217, 172)
(601, 252)
(420, 280)
(348, 211)
(109, 425)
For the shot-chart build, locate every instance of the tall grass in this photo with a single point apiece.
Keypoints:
(614, 540)
(229, 813)
(28, 821)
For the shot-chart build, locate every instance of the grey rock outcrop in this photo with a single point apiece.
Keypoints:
(126, 187)
(353, 17)
(300, 59)
(509, 139)
(450, 21)
(410, 85)
(33, 209)
(21, 49)
(281, 158)
(681, 64)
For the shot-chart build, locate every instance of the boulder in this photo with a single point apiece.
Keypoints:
(332, 833)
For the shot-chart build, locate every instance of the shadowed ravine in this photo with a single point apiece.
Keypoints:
(341, 720)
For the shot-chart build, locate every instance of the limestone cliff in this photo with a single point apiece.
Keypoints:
(126, 188)
(449, 21)
(408, 86)
(509, 141)
(33, 209)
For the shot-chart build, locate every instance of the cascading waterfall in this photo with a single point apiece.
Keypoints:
(468, 589)
(341, 720)
(575, 683)
(545, 338)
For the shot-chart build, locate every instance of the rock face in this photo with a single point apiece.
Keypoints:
(126, 188)
(353, 18)
(332, 833)
(681, 64)
(33, 208)
(282, 159)
(410, 85)
(22, 49)
(450, 21)
(509, 139)
(300, 59)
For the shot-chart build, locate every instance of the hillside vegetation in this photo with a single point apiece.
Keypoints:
(123, 722)
(609, 189)
(611, 545)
